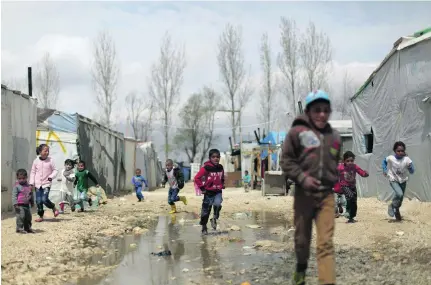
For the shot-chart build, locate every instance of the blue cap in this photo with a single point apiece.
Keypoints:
(316, 95)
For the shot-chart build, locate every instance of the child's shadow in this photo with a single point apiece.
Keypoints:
(392, 221)
(55, 220)
(38, 231)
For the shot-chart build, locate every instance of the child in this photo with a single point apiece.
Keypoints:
(212, 189)
(22, 201)
(310, 155)
(81, 182)
(246, 180)
(347, 179)
(43, 171)
(174, 176)
(396, 168)
(138, 180)
(67, 185)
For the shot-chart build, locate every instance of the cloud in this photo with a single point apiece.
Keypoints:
(361, 34)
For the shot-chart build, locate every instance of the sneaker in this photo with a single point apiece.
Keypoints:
(61, 212)
(391, 211)
(56, 212)
(39, 220)
(30, 231)
(72, 208)
(337, 215)
(139, 200)
(299, 278)
(351, 221)
(213, 223)
(204, 230)
(81, 210)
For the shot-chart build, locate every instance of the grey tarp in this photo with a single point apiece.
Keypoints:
(394, 106)
(18, 139)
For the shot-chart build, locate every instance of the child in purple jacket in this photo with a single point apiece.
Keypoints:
(22, 201)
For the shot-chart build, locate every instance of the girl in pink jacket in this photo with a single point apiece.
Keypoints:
(43, 171)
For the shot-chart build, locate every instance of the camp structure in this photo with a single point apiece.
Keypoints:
(148, 161)
(18, 138)
(73, 136)
(393, 105)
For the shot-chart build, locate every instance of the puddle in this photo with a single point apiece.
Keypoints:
(220, 257)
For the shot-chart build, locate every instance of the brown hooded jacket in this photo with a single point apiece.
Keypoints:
(308, 151)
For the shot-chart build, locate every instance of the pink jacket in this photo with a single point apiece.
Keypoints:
(41, 171)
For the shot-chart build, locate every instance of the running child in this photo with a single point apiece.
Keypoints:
(138, 180)
(67, 185)
(213, 174)
(43, 171)
(175, 177)
(22, 201)
(397, 168)
(246, 180)
(347, 178)
(81, 182)
(310, 155)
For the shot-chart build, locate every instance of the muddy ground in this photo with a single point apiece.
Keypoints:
(66, 249)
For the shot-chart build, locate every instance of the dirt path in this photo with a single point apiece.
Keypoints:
(59, 251)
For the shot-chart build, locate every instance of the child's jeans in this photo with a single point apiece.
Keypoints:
(352, 200)
(23, 217)
(42, 198)
(211, 200)
(139, 194)
(399, 189)
(81, 197)
(173, 196)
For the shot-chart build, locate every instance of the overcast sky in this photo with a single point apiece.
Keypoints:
(362, 33)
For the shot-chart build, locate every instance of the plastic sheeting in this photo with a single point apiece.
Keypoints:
(129, 161)
(394, 106)
(18, 138)
(148, 161)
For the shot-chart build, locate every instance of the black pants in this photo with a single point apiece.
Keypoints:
(352, 201)
(211, 200)
(23, 217)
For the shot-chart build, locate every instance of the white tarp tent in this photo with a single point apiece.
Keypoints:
(18, 139)
(129, 161)
(394, 104)
(148, 161)
(72, 136)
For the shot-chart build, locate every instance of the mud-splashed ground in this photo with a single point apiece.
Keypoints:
(113, 245)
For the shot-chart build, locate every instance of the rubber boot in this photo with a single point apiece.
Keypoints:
(173, 209)
(183, 199)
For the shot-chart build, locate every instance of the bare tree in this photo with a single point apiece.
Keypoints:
(316, 56)
(105, 74)
(267, 95)
(197, 117)
(166, 82)
(140, 115)
(231, 64)
(343, 104)
(47, 82)
(288, 59)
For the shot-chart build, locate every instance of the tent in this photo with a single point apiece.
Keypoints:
(148, 161)
(18, 136)
(75, 136)
(395, 104)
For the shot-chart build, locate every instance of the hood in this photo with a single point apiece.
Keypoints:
(17, 183)
(304, 120)
(209, 165)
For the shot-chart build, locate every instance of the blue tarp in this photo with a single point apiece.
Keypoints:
(274, 138)
(57, 121)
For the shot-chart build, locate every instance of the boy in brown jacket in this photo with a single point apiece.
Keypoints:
(310, 156)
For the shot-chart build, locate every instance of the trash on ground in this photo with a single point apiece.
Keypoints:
(162, 253)
(253, 226)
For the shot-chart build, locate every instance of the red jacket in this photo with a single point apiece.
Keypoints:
(347, 176)
(210, 177)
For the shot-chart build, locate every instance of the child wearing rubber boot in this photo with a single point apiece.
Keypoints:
(310, 156)
(212, 186)
(397, 168)
(175, 177)
(347, 179)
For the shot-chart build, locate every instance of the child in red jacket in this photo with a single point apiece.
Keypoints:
(347, 182)
(212, 186)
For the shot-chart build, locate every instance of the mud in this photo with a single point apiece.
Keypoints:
(254, 243)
